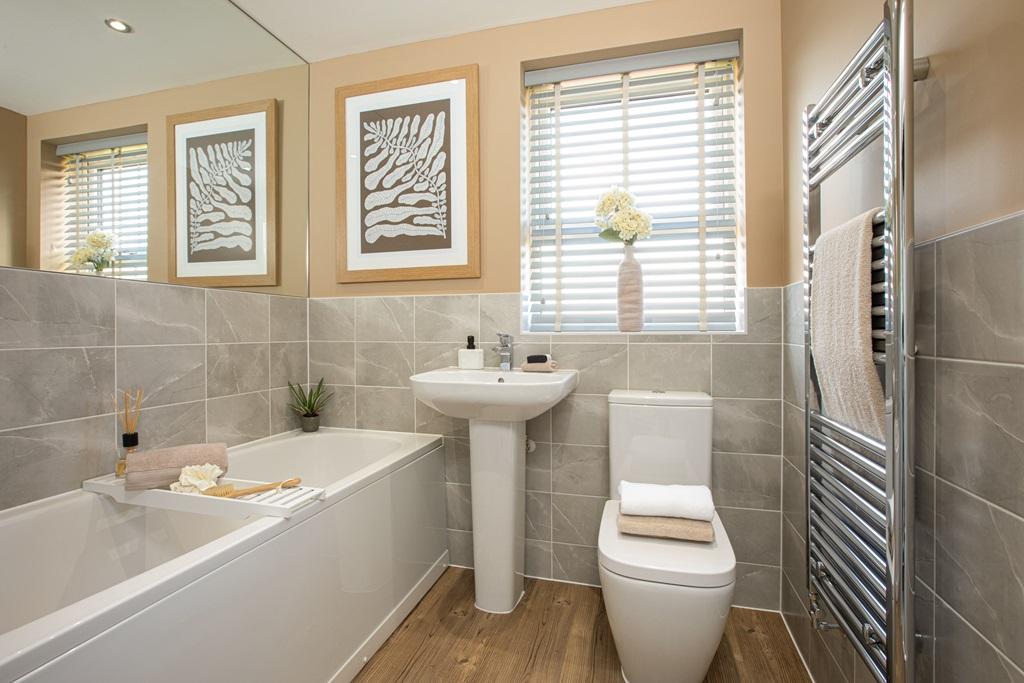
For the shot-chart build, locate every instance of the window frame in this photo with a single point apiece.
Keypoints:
(735, 297)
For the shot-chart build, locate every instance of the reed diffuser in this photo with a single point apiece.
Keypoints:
(127, 406)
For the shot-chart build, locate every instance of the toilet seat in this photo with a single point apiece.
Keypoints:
(678, 563)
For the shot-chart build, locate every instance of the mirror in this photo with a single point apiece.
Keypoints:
(145, 139)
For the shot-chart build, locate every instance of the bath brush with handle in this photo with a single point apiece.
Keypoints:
(229, 491)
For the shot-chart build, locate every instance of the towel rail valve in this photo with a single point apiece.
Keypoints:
(815, 612)
(819, 571)
(868, 73)
(870, 636)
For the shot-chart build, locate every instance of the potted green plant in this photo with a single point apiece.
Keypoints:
(308, 404)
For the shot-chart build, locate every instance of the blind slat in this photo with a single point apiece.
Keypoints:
(669, 138)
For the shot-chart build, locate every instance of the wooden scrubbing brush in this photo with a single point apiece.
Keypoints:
(229, 491)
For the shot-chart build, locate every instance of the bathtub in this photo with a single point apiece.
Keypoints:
(93, 590)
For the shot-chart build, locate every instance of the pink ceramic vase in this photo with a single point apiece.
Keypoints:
(631, 293)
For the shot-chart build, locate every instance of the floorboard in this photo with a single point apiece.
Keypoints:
(558, 632)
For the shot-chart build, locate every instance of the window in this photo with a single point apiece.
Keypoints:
(668, 134)
(105, 189)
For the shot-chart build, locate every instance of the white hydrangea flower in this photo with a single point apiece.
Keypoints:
(619, 219)
(198, 478)
(616, 199)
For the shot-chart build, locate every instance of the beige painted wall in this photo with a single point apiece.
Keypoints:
(500, 53)
(287, 85)
(968, 124)
(13, 129)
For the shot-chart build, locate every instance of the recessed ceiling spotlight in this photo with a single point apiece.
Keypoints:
(117, 25)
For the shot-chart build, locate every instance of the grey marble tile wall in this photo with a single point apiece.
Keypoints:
(214, 366)
(366, 348)
(969, 467)
(970, 454)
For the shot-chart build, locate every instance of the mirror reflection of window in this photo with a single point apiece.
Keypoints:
(105, 200)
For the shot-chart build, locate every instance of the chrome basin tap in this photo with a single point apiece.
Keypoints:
(504, 351)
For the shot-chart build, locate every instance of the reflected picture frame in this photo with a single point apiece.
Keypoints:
(222, 196)
(408, 177)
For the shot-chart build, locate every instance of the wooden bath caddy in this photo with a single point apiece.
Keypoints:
(275, 503)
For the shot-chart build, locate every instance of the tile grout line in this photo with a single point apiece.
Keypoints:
(782, 435)
(935, 446)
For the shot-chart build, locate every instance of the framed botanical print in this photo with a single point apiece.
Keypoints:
(408, 177)
(222, 196)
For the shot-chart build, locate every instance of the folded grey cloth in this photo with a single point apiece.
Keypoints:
(161, 467)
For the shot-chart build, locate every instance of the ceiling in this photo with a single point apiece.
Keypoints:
(56, 54)
(321, 29)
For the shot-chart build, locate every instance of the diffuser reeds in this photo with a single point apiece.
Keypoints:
(128, 409)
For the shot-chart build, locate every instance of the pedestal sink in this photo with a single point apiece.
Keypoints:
(497, 404)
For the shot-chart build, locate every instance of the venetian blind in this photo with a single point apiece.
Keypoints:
(106, 190)
(668, 135)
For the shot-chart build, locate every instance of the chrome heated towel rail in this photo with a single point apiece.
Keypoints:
(859, 494)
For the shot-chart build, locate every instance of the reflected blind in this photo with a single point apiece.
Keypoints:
(668, 135)
(107, 190)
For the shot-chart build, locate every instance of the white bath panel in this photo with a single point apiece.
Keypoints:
(274, 503)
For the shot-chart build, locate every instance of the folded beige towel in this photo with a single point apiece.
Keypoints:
(550, 366)
(841, 327)
(667, 527)
(161, 467)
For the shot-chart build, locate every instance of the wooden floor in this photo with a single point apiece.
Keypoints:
(557, 633)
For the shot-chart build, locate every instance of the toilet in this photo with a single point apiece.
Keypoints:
(667, 601)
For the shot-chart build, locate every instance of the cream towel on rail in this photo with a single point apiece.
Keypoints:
(851, 392)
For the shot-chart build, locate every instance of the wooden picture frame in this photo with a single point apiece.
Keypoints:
(436, 234)
(257, 122)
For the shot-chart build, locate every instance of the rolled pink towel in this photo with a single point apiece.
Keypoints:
(549, 366)
(161, 467)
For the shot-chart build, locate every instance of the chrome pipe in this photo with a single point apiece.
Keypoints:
(844, 521)
(851, 69)
(846, 622)
(851, 149)
(868, 597)
(872, 507)
(851, 588)
(853, 107)
(863, 440)
(922, 67)
(861, 465)
(899, 349)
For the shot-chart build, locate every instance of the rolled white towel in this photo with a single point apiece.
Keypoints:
(666, 500)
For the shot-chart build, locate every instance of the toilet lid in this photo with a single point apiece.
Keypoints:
(680, 563)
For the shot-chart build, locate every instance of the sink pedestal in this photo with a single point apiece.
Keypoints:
(497, 455)
(497, 404)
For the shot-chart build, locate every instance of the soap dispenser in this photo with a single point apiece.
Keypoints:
(471, 358)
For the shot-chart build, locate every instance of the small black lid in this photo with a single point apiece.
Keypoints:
(470, 342)
(130, 440)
